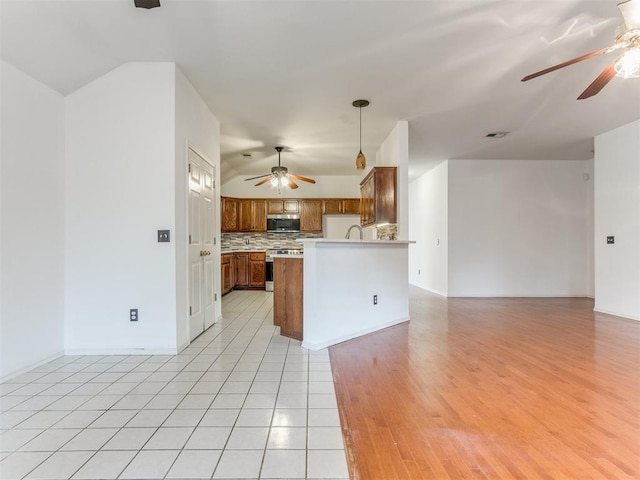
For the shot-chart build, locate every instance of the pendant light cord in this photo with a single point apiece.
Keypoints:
(360, 108)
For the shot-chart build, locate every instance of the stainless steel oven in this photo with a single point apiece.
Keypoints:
(268, 284)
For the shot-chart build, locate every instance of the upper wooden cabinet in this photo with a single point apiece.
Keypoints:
(333, 206)
(282, 206)
(229, 214)
(378, 202)
(252, 215)
(311, 215)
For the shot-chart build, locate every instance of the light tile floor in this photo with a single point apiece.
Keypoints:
(240, 402)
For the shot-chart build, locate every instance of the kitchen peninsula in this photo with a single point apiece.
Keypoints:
(351, 288)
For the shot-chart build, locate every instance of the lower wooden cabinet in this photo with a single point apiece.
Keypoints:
(250, 270)
(257, 270)
(287, 296)
(228, 272)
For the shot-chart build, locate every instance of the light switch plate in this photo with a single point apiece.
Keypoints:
(610, 240)
(163, 236)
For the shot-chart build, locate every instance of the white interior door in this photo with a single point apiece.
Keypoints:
(201, 238)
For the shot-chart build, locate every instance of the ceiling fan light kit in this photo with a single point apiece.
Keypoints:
(625, 66)
(361, 161)
(280, 177)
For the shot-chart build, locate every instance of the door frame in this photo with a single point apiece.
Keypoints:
(216, 231)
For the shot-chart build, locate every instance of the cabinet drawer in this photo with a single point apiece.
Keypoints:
(257, 256)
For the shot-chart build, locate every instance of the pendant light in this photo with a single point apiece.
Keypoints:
(361, 161)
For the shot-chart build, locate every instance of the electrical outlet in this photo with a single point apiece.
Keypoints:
(375, 299)
(610, 240)
(133, 315)
(163, 236)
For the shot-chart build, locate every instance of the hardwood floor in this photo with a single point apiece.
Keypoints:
(493, 388)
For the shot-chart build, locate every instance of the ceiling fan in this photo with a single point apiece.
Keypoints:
(626, 65)
(280, 176)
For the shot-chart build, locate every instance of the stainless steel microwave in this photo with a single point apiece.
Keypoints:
(283, 223)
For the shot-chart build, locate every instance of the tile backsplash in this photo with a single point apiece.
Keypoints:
(250, 242)
(388, 232)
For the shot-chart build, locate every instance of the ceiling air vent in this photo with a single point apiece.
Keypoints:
(147, 3)
(496, 134)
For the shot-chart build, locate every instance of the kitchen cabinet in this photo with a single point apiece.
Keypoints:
(250, 270)
(345, 206)
(311, 215)
(287, 296)
(378, 203)
(351, 206)
(229, 214)
(252, 216)
(282, 206)
(228, 272)
(257, 270)
(241, 270)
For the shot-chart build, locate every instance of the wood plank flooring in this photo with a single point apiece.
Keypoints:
(493, 388)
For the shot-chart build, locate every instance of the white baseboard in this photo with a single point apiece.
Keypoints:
(37, 364)
(430, 290)
(617, 314)
(516, 295)
(334, 341)
(123, 351)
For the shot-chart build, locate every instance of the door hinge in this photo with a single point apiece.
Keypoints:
(189, 168)
(189, 239)
(215, 240)
(190, 310)
(215, 297)
(214, 184)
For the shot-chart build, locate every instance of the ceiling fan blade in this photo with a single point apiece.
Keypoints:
(262, 182)
(600, 82)
(630, 11)
(259, 176)
(303, 179)
(567, 63)
(292, 185)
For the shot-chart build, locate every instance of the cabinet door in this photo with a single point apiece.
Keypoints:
(351, 206)
(333, 206)
(257, 270)
(242, 270)
(367, 192)
(310, 215)
(259, 216)
(275, 206)
(229, 214)
(244, 215)
(291, 206)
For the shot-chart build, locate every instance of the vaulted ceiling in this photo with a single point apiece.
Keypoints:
(285, 72)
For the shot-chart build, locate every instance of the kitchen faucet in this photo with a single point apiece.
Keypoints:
(351, 228)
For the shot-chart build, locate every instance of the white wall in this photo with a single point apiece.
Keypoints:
(617, 213)
(428, 218)
(517, 228)
(395, 151)
(340, 279)
(120, 174)
(336, 226)
(196, 127)
(32, 222)
(588, 176)
(326, 186)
